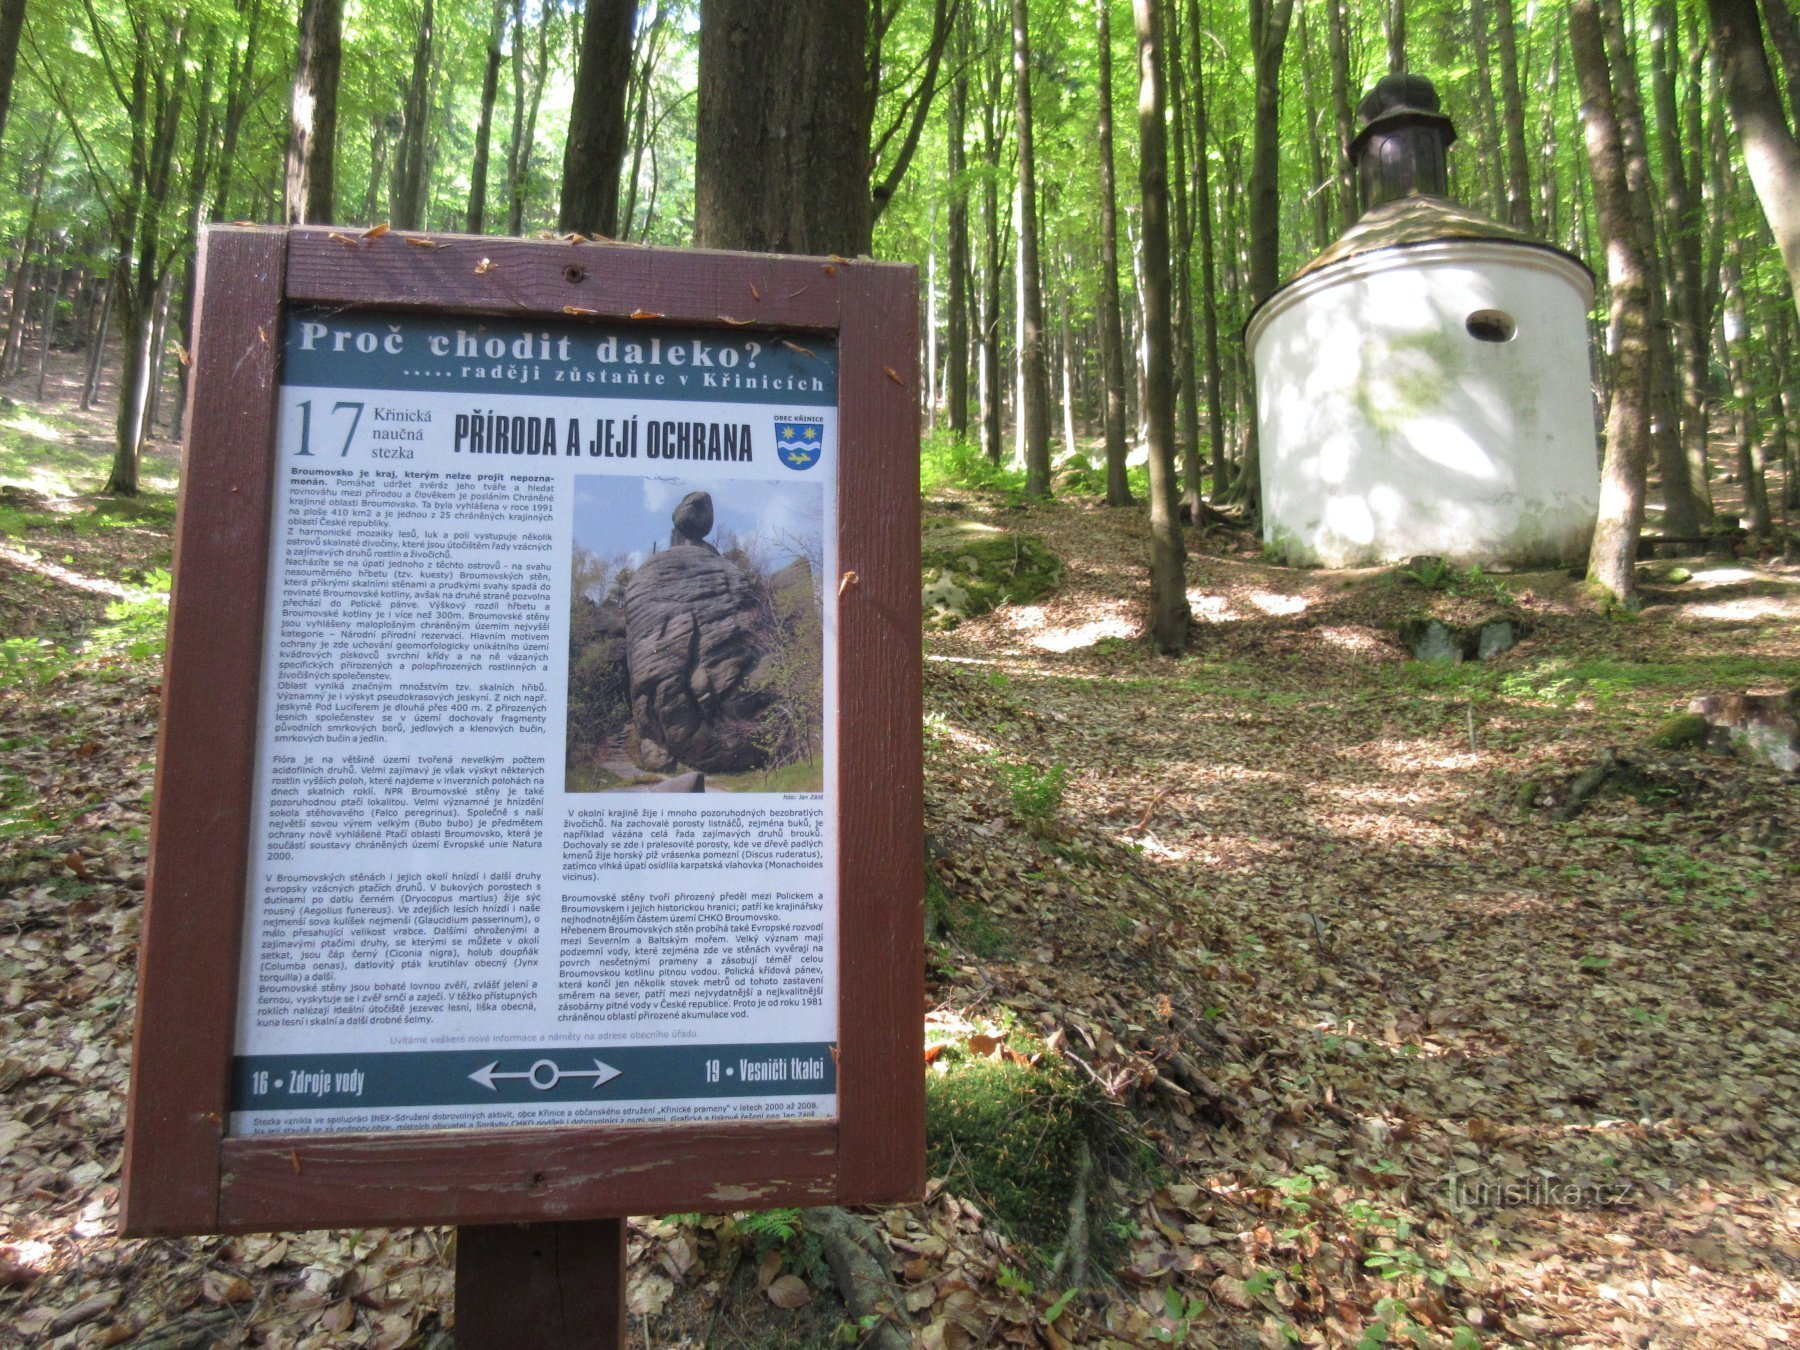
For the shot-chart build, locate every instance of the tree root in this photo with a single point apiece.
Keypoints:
(1586, 784)
(858, 1261)
(1071, 1264)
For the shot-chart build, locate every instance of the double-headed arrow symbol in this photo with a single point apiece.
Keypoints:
(545, 1074)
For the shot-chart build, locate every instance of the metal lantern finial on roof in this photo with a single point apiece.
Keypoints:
(1400, 151)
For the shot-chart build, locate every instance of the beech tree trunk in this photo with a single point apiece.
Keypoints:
(991, 253)
(484, 127)
(408, 204)
(1342, 112)
(1169, 614)
(1613, 556)
(1770, 151)
(1679, 513)
(311, 187)
(782, 144)
(1689, 316)
(1187, 406)
(1209, 311)
(1512, 117)
(956, 366)
(96, 369)
(1034, 381)
(595, 150)
(12, 24)
(1746, 424)
(1112, 336)
(1268, 35)
(240, 84)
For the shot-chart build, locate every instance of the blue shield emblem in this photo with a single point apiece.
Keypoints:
(799, 444)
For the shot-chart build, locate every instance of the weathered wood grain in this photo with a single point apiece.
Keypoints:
(199, 833)
(881, 833)
(482, 275)
(524, 1175)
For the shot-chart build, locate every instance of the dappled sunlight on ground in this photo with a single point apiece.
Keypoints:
(1050, 628)
(1210, 608)
(1278, 605)
(30, 561)
(1750, 608)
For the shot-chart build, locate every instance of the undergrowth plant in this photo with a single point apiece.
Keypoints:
(947, 460)
(1036, 793)
(135, 628)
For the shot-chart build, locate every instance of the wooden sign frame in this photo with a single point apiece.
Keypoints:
(183, 1173)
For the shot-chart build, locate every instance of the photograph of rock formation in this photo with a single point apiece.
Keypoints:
(696, 637)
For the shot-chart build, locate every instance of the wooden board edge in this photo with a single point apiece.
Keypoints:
(523, 1175)
(880, 790)
(199, 836)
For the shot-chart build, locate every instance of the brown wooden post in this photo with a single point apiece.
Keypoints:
(552, 1286)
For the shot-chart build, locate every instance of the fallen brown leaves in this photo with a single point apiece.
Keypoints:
(1406, 1060)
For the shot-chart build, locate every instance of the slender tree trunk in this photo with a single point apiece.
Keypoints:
(1268, 35)
(518, 145)
(96, 368)
(991, 279)
(1342, 111)
(528, 94)
(1112, 338)
(1034, 384)
(956, 373)
(881, 193)
(1209, 311)
(12, 24)
(929, 337)
(47, 328)
(1187, 411)
(154, 111)
(22, 274)
(595, 150)
(18, 313)
(1751, 456)
(1512, 116)
(1066, 365)
(1770, 151)
(1679, 514)
(1549, 198)
(1685, 226)
(408, 206)
(1169, 613)
(156, 352)
(1787, 416)
(1393, 20)
(240, 84)
(310, 195)
(484, 126)
(1493, 172)
(781, 152)
(1612, 559)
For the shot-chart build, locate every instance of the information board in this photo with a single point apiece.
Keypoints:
(523, 800)
(509, 562)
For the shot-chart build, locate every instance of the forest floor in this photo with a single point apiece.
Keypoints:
(1361, 1041)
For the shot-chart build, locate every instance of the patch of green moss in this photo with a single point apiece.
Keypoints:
(968, 924)
(968, 568)
(1680, 732)
(1009, 1137)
